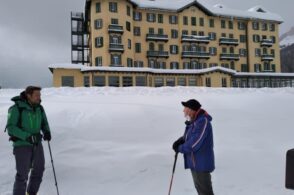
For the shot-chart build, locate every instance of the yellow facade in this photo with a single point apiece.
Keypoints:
(190, 54)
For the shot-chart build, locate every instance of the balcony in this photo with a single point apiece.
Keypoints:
(195, 54)
(115, 47)
(156, 37)
(267, 57)
(162, 54)
(114, 28)
(195, 39)
(228, 41)
(230, 56)
(266, 42)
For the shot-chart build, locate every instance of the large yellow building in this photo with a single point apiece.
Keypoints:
(172, 43)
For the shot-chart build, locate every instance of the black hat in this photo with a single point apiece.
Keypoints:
(192, 104)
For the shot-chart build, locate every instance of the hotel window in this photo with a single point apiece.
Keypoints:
(160, 18)
(137, 16)
(223, 24)
(257, 67)
(224, 82)
(129, 44)
(174, 34)
(224, 50)
(186, 65)
(192, 81)
(241, 25)
(128, 10)
(182, 81)
(273, 38)
(114, 39)
(201, 21)
(193, 21)
(201, 33)
(138, 47)
(151, 31)
(151, 63)
(114, 21)
(224, 35)
(160, 31)
(141, 81)
(161, 47)
(243, 52)
(208, 82)
(256, 38)
(174, 49)
(257, 52)
(128, 26)
(98, 7)
(174, 65)
(232, 50)
(272, 27)
(170, 82)
(138, 64)
(173, 19)
(112, 6)
(67, 81)
(98, 24)
(115, 59)
(158, 81)
(137, 31)
(244, 68)
(161, 65)
(99, 81)
(98, 42)
(130, 62)
(212, 36)
(151, 17)
(231, 36)
(273, 52)
(193, 32)
(213, 51)
(151, 46)
(98, 61)
(273, 67)
(243, 39)
(231, 24)
(185, 20)
(211, 23)
(184, 32)
(232, 65)
(255, 25)
(264, 26)
(113, 81)
(266, 66)
(86, 81)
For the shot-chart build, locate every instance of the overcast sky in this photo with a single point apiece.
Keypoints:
(36, 33)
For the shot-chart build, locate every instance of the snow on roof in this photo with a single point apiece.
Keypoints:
(215, 8)
(164, 71)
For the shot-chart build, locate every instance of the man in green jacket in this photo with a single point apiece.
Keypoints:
(26, 125)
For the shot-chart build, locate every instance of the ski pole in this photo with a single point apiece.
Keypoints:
(53, 168)
(174, 168)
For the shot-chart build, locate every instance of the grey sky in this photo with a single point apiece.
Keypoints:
(36, 33)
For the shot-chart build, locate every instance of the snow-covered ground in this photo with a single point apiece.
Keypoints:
(118, 140)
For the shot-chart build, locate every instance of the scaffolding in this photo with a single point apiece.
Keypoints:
(79, 39)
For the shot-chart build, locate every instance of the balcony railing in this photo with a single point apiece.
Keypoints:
(116, 47)
(267, 57)
(115, 28)
(195, 39)
(229, 56)
(195, 54)
(228, 41)
(266, 42)
(156, 37)
(157, 54)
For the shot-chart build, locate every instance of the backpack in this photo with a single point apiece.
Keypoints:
(20, 110)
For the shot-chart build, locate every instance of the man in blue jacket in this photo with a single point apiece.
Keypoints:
(197, 146)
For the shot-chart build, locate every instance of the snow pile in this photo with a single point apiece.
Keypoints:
(118, 140)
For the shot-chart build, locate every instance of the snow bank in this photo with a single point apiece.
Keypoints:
(118, 140)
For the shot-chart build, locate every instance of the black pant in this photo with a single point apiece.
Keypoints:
(202, 182)
(28, 159)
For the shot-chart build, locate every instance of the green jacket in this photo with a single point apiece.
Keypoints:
(33, 120)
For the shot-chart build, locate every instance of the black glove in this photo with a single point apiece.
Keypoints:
(13, 139)
(34, 139)
(47, 136)
(177, 143)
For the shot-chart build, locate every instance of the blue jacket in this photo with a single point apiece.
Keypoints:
(198, 147)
